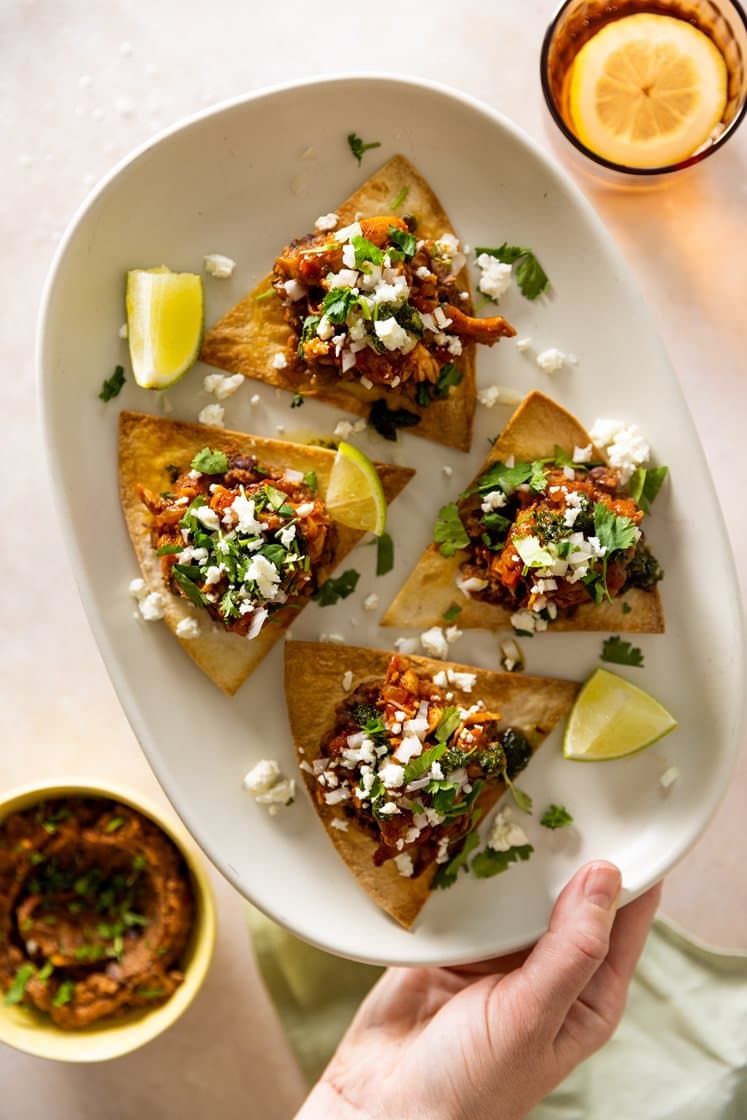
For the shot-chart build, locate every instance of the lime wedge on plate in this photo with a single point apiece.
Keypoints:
(165, 317)
(355, 496)
(612, 719)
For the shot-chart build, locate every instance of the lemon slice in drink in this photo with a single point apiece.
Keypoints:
(647, 90)
(355, 496)
(612, 719)
(165, 317)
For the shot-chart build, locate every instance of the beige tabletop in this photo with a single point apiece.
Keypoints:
(84, 83)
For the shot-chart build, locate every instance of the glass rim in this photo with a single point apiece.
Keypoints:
(621, 168)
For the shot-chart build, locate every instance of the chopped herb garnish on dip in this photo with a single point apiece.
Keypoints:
(112, 386)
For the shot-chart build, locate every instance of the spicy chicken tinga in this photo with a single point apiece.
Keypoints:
(232, 532)
(372, 312)
(546, 537)
(404, 756)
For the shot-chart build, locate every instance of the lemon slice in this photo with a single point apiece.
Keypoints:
(355, 496)
(165, 318)
(647, 90)
(612, 719)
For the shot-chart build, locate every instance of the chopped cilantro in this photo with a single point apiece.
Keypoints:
(333, 589)
(358, 147)
(446, 875)
(17, 988)
(620, 652)
(139, 863)
(264, 295)
(556, 816)
(451, 613)
(489, 862)
(386, 421)
(522, 799)
(645, 484)
(365, 251)
(310, 480)
(336, 304)
(530, 275)
(64, 993)
(447, 725)
(114, 824)
(210, 462)
(172, 471)
(112, 386)
(150, 993)
(45, 971)
(397, 202)
(428, 392)
(449, 532)
(419, 766)
(403, 240)
(296, 400)
(508, 479)
(384, 554)
(626, 608)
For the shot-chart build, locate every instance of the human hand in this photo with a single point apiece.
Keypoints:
(490, 1040)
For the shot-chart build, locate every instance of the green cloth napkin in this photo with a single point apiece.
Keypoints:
(680, 1052)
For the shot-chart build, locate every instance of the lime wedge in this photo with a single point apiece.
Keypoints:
(612, 719)
(165, 317)
(355, 496)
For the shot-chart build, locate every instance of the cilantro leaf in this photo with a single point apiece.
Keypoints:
(403, 240)
(112, 386)
(530, 275)
(489, 862)
(190, 589)
(336, 303)
(365, 250)
(626, 608)
(210, 462)
(427, 391)
(418, 767)
(538, 477)
(358, 147)
(21, 978)
(500, 477)
(297, 400)
(333, 589)
(556, 816)
(310, 480)
(264, 295)
(522, 799)
(615, 532)
(446, 875)
(386, 420)
(452, 612)
(447, 725)
(620, 652)
(64, 993)
(384, 554)
(449, 532)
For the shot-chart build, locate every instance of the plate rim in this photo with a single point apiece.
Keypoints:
(117, 674)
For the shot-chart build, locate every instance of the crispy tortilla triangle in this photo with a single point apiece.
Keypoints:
(313, 695)
(247, 338)
(147, 444)
(533, 432)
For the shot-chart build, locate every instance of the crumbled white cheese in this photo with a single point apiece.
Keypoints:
(212, 415)
(470, 584)
(138, 588)
(124, 331)
(523, 344)
(392, 775)
(447, 471)
(187, 628)
(152, 606)
(582, 454)
(404, 864)
(498, 394)
(221, 386)
(262, 777)
(371, 602)
(434, 642)
(219, 266)
(343, 428)
(669, 777)
(624, 445)
(254, 399)
(294, 290)
(264, 573)
(332, 639)
(347, 680)
(208, 517)
(511, 656)
(339, 823)
(279, 361)
(495, 278)
(505, 833)
(326, 222)
(552, 359)
(406, 645)
(393, 335)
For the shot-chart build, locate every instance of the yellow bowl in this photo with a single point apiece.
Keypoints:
(32, 1031)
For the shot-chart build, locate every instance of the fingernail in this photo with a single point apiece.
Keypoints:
(602, 885)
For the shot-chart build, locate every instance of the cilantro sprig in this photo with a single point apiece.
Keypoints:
(619, 652)
(210, 462)
(530, 275)
(490, 862)
(645, 483)
(358, 146)
(449, 532)
(334, 589)
(556, 816)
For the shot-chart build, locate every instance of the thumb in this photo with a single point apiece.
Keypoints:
(564, 960)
